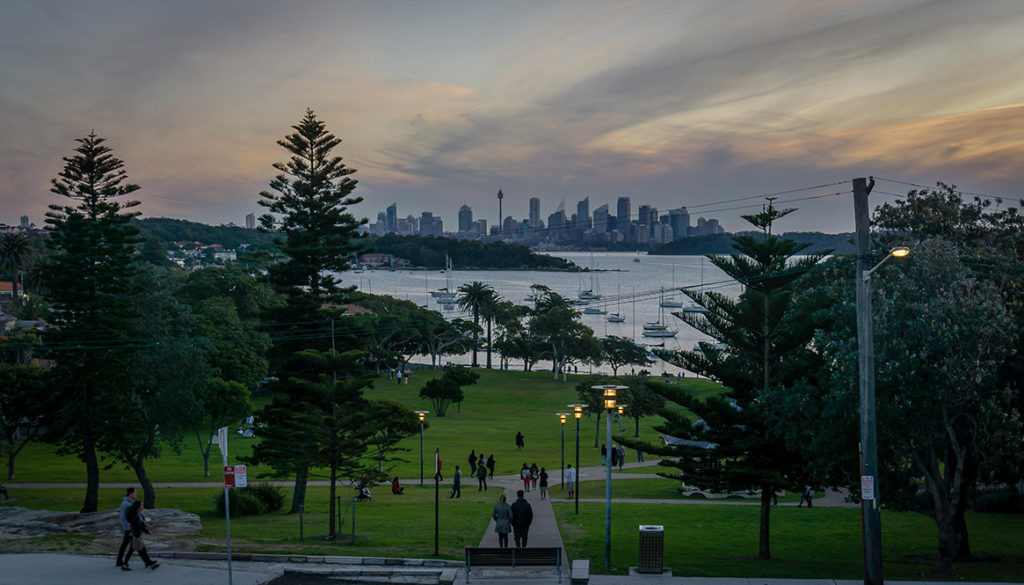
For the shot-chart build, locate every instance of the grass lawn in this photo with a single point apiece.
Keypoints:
(721, 541)
(498, 406)
(397, 526)
(656, 488)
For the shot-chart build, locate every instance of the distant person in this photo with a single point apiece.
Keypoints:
(472, 462)
(456, 484)
(808, 495)
(396, 487)
(490, 466)
(138, 523)
(520, 442)
(126, 527)
(604, 454)
(622, 456)
(440, 462)
(543, 483)
(534, 475)
(570, 480)
(399, 377)
(524, 474)
(502, 516)
(522, 517)
(481, 477)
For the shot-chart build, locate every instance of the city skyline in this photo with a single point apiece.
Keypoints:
(674, 105)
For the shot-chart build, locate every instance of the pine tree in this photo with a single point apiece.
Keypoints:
(766, 342)
(89, 276)
(307, 205)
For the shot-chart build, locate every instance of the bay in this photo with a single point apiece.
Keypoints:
(630, 288)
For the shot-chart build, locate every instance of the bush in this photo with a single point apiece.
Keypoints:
(1000, 502)
(243, 503)
(270, 497)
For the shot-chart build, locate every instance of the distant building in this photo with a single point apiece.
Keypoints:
(679, 219)
(391, 221)
(583, 214)
(534, 220)
(430, 225)
(480, 227)
(556, 222)
(622, 214)
(601, 219)
(24, 222)
(250, 221)
(465, 219)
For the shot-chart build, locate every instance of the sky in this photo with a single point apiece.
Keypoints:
(442, 103)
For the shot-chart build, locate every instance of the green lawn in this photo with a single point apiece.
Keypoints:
(825, 543)
(498, 406)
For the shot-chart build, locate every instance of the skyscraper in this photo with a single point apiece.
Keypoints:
(391, 223)
(24, 221)
(250, 221)
(583, 213)
(501, 219)
(534, 212)
(601, 219)
(622, 214)
(679, 219)
(465, 219)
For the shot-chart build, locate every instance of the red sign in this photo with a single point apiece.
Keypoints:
(229, 476)
(234, 476)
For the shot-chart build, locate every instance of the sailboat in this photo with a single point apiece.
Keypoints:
(594, 292)
(617, 317)
(695, 308)
(671, 302)
(445, 296)
(659, 328)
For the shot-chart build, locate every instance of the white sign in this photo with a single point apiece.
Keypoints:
(240, 479)
(867, 487)
(222, 443)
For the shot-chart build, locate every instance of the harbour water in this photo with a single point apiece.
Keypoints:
(632, 289)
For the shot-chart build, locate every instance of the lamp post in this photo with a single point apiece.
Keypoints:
(421, 414)
(577, 413)
(621, 408)
(871, 519)
(608, 393)
(562, 416)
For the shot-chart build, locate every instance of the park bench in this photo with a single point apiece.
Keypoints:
(514, 557)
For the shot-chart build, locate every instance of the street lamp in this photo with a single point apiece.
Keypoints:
(421, 414)
(608, 396)
(621, 408)
(577, 413)
(871, 517)
(562, 416)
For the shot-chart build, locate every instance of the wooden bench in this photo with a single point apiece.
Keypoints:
(580, 574)
(514, 557)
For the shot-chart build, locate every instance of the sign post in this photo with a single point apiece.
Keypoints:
(231, 479)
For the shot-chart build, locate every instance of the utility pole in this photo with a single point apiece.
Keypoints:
(870, 513)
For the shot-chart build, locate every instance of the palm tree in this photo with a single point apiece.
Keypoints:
(489, 311)
(475, 297)
(15, 250)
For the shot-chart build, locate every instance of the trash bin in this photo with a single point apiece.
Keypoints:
(652, 549)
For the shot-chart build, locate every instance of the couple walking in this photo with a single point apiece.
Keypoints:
(513, 518)
(133, 523)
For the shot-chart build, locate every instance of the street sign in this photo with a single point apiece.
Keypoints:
(867, 487)
(234, 476)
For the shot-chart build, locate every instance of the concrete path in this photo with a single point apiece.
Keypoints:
(60, 569)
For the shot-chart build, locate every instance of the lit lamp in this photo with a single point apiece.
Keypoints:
(608, 396)
(870, 509)
(562, 417)
(577, 413)
(421, 414)
(622, 409)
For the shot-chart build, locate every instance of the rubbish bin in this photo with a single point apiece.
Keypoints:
(652, 549)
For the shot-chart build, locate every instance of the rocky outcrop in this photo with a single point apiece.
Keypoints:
(24, 523)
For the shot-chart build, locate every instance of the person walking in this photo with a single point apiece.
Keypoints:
(604, 454)
(524, 474)
(490, 466)
(502, 520)
(534, 475)
(456, 484)
(440, 462)
(520, 441)
(570, 481)
(481, 477)
(543, 483)
(138, 524)
(807, 494)
(472, 462)
(522, 517)
(126, 540)
(622, 456)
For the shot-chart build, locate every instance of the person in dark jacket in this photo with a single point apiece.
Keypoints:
(138, 524)
(490, 466)
(522, 517)
(502, 520)
(481, 476)
(122, 558)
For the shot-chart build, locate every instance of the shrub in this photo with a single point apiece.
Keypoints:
(270, 497)
(243, 503)
(1000, 502)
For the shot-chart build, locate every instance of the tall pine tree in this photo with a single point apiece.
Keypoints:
(307, 204)
(766, 338)
(89, 276)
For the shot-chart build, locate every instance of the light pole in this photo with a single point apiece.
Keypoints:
(621, 408)
(871, 518)
(577, 413)
(562, 416)
(608, 393)
(421, 414)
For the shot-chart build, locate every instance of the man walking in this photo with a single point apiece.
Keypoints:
(126, 527)
(522, 517)
(570, 480)
(457, 484)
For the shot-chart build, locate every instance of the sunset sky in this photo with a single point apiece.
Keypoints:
(441, 103)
